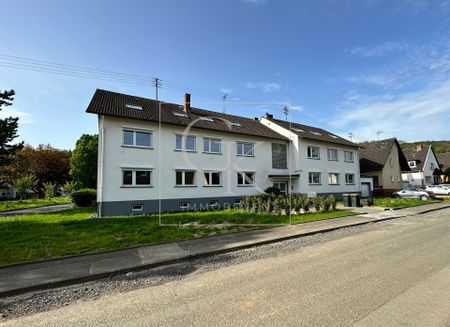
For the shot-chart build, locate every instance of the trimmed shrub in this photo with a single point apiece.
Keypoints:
(272, 190)
(333, 202)
(84, 197)
(317, 203)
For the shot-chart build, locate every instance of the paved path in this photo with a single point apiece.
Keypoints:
(21, 278)
(395, 275)
(32, 211)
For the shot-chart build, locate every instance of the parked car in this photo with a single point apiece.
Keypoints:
(414, 193)
(439, 189)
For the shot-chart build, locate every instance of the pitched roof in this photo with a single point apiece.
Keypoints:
(418, 155)
(374, 154)
(444, 160)
(110, 103)
(313, 133)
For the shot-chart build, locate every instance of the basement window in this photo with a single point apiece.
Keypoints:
(132, 106)
(137, 207)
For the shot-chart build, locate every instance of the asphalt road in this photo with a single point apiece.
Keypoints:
(395, 275)
(32, 211)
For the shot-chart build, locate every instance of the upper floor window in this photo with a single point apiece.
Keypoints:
(211, 145)
(245, 149)
(348, 156)
(136, 177)
(314, 178)
(185, 178)
(245, 178)
(350, 179)
(137, 138)
(412, 164)
(333, 155)
(279, 156)
(431, 166)
(313, 152)
(185, 142)
(391, 162)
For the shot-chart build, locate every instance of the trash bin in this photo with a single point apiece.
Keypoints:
(355, 200)
(346, 200)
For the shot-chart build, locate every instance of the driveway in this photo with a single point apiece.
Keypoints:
(31, 211)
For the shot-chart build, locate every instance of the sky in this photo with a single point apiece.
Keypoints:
(372, 68)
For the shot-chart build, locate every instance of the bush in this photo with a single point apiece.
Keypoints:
(272, 190)
(69, 187)
(317, 203)
(49, 190)
(24, 184)
(84, 197)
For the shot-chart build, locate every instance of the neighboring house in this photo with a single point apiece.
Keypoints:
(424, 165)
(320, 162)
(7, 193)
(159, 157)
(444, 162)
(384, 162)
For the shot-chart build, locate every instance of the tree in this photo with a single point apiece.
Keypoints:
(447, 174)
(8, 130)
(83, 163)
(45, 163)
(24, 184)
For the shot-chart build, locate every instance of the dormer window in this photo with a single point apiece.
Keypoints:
(134, 107)
(412, 164)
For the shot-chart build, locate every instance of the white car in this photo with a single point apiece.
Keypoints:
(414, 193)
(439, 189)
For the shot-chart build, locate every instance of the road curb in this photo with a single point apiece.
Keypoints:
(93, 277)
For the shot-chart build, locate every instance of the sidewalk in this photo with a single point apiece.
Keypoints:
(21, 278)
(31, 211)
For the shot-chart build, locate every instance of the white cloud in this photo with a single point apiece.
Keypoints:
(419, 115)
(225, 90)
(378, 50)
(24, 117)
(266, 87)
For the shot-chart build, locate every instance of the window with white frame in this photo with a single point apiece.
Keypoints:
(279, 156)
(185, 142)
(185, 178)
(211, 145)
(333, 155)
(412, 164)
(137, 207)
(137, 138)
(333, 178)
(314, 178)
(392, 178)
(212, 178)
(136, 177)
(245, 178)
(350, 179)
(391, 162)
(313, 152)
(245, 149)
(348, 156)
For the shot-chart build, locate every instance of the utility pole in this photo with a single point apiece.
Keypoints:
(286, 112)
(156, 84)
(223, 102)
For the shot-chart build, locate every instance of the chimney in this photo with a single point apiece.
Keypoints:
(268, 116)
(187, 102)
(419, 147)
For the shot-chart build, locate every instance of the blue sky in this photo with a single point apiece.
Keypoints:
(347, 66)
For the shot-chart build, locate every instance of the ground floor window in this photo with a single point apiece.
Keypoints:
(245, 178)
(314, 178)
(185, 178)
(333, 178)
(350, 179)
(136, 177)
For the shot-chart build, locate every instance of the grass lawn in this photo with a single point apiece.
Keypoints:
(69, 232)
(398, 203)
(33, 203)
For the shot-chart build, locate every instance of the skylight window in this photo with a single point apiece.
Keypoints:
(298, 130)
(236, 124)
(207, 119)
(316, 133)
(179, 114)
(132, 106)
(334, 136)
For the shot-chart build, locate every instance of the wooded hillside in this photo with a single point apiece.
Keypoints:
(438, 146)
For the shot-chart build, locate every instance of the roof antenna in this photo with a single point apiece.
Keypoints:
(350, 136)
(286, 112)
(156, 84)
(379, 132)
(223, 102)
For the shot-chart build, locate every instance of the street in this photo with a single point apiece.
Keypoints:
(397, 274)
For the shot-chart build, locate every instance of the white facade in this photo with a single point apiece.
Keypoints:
(300, 164)
(424, 177)
(162, 161)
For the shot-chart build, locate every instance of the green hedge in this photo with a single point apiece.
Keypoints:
(84, 197)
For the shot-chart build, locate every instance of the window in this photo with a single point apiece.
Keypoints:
(211, 145)
(212, 178)
(245, 178)
(391, 162)
(279, 156)
(137, 207)
(376, 181)
(137, 138)
(132, 106)
(333, 155)
(350, 179)
(333, 178)
(207, 119)
(392, 178)
(412, 164)
(313, 152)
(179, 114)
(185, 178)
(136, 178)
(185, 142)
(348, 156)
(314, 178)
(431, 166)
(245, 149)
